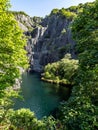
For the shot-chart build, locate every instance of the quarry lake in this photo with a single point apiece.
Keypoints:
(38, 96)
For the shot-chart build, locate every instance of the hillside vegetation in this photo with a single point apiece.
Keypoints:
(80, 112)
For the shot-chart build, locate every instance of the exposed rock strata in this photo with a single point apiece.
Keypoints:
(49, 39)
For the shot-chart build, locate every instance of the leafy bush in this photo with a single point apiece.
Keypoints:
(24, 119)
(61, 71)
(78, 114)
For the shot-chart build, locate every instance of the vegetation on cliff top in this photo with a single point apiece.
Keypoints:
(18, 12)
(64, 13)
(71, 12)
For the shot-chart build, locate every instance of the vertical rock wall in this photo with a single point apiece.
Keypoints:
(49, 39)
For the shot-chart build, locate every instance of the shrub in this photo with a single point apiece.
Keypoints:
(65, 69)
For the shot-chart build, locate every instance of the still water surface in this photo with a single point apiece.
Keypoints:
(41, 97)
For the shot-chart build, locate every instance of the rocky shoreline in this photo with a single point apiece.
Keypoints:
(56, 82)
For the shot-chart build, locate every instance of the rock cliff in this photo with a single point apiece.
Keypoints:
(49, 38)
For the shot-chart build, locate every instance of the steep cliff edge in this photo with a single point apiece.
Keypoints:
(49, 39)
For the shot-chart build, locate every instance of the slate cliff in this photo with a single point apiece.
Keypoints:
(49, 39)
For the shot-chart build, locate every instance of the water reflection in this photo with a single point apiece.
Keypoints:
(39, 96)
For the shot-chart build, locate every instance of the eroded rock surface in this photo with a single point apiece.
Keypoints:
(49, 39)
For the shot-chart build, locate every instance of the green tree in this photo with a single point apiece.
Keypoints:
(12, 57)
(81, 111)
(86, 35)
(62, 71)
(12, 42)
(24, 119)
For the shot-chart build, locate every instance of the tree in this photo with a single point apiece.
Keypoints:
(62, 71)
(86, 34)
(12, 42)
(81, 111)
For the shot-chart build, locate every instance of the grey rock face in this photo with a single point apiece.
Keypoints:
(18, 81)
(49, 39)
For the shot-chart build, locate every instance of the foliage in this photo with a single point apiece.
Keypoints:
(62, 71)
(24, 119)
(81, 111)
(12, 58)
(54, 11)
(86, 36)
(18, 12)
(52, 124)
(5, 104)
(73, 8)
(71, 12)
(12, 42)
(78, 114)
(67, 14)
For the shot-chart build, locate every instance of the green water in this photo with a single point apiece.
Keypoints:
(41, 97)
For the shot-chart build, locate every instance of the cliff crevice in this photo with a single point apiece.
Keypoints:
(49, 39)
